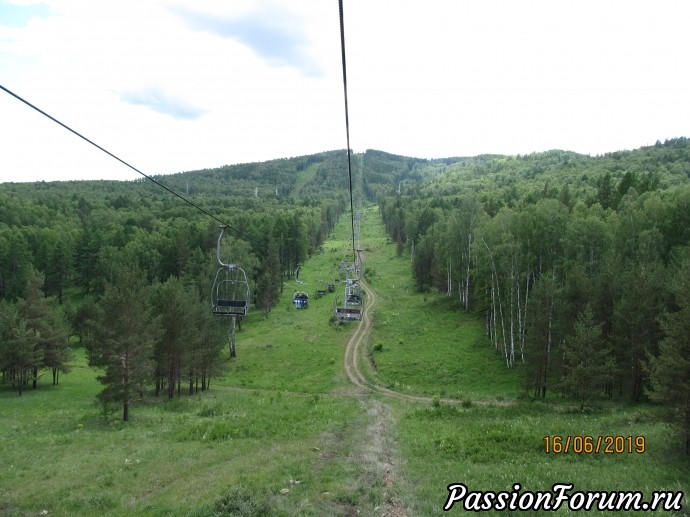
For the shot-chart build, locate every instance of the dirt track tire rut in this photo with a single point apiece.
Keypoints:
(357, 345)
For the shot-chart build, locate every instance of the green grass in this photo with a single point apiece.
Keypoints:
(434, 349)
(491, 448)
(58, 454)
(284, 417)
(422, 343)
(303, 177)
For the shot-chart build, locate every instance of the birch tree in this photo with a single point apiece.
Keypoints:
(461, 225)
(541, 361)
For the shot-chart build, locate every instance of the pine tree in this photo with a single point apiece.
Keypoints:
(174, 306)
(44, 318)
(670, 371)
(587, 361)
(122, 339)
(18, 347)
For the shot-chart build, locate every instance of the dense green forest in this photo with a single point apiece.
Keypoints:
(74, 253)
(578, 264)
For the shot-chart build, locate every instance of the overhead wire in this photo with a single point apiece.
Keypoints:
(191, 203)
(150, 178)
(347, 126)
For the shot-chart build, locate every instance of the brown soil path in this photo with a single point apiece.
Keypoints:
(377, 454)
(356, 346)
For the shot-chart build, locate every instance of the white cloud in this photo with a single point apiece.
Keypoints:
(178, 85)
(273, 34)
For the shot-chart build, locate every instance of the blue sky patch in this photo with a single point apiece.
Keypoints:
(12, 15)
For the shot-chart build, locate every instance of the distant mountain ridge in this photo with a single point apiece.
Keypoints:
(309, 178)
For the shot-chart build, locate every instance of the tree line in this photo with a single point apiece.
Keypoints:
(33, 337)
(127, 270)
(577, 264)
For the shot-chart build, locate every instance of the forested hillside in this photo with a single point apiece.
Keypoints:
(578, 264)
(72, 231)
(575, 262)
(74, 253)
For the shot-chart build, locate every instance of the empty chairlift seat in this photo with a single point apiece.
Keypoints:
(230, 307)
(230, 291)
(348, 314)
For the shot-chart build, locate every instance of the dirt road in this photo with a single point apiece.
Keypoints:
(356, 346)
(378, 454)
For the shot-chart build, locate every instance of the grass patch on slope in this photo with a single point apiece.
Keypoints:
(303, 177)
(173, 458)
(423, 343)
(492, 448)
(306, 345)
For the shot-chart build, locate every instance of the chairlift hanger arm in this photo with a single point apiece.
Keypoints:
(230, 267)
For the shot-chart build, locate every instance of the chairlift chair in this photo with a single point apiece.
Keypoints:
(230, 293)
(351, 308)
(230, 296)
(301, 300)
(321, 289)
(345, 312)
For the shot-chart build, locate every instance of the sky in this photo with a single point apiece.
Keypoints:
(177, 85)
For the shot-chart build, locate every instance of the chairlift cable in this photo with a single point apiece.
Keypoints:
(68, 128)
(347, 126)
(191, 203)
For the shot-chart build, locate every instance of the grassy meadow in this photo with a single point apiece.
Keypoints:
(283, 432)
